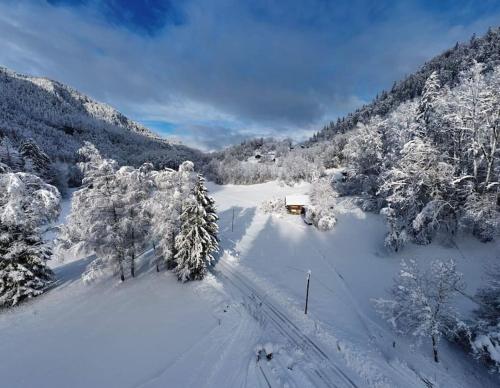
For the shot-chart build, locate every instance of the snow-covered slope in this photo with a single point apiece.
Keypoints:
(350, 267)
(153, 331)
(59, 118)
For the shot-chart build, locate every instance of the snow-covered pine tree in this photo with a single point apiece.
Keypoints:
(197, 239)
(4, 168)
(23, 266)
(9, 155)
(421, 304)
(489, 298)
(426, 109)
(35, 160)
(26, 204)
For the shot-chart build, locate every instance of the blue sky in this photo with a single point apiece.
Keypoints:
(213, 72)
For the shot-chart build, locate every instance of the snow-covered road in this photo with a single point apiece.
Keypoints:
(318, 368)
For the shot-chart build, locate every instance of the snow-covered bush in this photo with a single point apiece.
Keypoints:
(274, 206)
(94, 271)
(421, 303)
(326, 222)
(295, 168)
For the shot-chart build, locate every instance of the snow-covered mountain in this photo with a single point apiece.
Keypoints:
(59, 118)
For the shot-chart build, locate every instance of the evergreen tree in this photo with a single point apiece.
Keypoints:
(23, 269)
(26, 204)
(35, 160)
(197, 239)
(426, 108)
(9, 155)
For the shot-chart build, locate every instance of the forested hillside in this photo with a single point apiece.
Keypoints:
(447, 66)
(58, 119)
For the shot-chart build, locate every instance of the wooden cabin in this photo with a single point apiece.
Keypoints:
(296, 204)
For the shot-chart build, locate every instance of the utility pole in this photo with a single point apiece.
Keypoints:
(232, 221)
(307, 289)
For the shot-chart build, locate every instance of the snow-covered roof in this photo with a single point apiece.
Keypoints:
(291, 200)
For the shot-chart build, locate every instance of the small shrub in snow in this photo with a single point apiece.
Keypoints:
(274, 206)
(95, 270)
(326, 223)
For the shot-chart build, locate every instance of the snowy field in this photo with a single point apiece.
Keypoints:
(153, 331)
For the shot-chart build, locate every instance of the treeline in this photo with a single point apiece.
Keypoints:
(288, 163)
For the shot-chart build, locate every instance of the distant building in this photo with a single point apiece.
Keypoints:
(296, 204)
(265, 157)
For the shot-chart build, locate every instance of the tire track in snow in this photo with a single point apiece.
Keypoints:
(330, 375)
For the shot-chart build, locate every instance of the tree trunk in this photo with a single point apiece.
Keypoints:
(132, 265)
(434, 349)
(122, 274)
(157, 259)
(491, 157)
